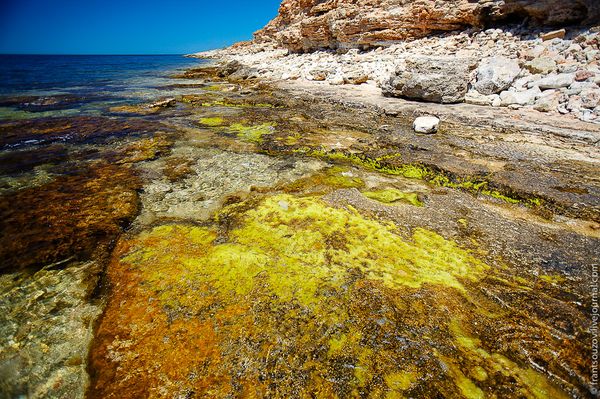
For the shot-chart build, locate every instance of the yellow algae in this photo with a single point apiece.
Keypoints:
(392, 195)
(400, 381)
(299, 247)
(252, 133)
(334, 177)
(479, 373)
(212, 122)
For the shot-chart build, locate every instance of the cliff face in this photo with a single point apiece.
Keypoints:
(307, 25)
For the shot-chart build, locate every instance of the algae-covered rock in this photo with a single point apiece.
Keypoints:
(390, 196)
(290, 297)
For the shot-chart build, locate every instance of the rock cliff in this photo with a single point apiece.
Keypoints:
(307, 25)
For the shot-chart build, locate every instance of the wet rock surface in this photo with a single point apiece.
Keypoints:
(252, 240)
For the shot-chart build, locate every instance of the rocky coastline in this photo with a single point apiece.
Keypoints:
(528, 66)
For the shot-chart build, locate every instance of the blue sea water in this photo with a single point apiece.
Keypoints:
(99, 80)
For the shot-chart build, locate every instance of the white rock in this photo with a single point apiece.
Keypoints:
(496, 100)
(548, 101)
(527, 97)
(426, 124)
(495, 74)
(554, 81)
(476, 98)
(542, 65)
(590, 98)
(578, 87)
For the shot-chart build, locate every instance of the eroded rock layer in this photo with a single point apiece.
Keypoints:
(306, 25)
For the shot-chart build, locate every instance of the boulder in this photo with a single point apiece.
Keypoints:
(495, 74)
(543, 65)
(526, 97)
(430, 78)
(426, 124)
(548, 101)
(554, 81)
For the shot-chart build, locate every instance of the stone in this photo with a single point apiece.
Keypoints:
(355, 76)
(553, 35)
(496, 100)
(548, 101)
(590, 98)
(555, 81)
(575, 104)
(495, 74)
(543, 65)
(577, 87)
(426, 124)
(583, 75)
(431, 78)
(168, 102)
(527, 97)
(317, 74)
(476, 98)
(336, 79)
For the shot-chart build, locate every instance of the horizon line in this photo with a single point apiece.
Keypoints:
(103, 54)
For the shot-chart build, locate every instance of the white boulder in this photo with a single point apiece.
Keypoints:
(426, 124)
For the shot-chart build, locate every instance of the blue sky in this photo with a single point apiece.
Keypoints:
(128, 26)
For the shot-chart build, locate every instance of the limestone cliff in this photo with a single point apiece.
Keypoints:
(307, 25)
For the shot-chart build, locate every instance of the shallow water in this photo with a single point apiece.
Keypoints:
(242, 243)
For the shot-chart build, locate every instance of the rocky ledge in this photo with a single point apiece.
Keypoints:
(542, 56)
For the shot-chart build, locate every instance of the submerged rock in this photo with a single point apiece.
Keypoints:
(71, 217)
(46, 327)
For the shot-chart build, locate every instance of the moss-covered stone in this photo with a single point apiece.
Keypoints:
(252, 133)
(392, 195)
(212, 121)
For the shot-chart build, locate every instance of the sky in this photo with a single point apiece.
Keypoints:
(128, 26)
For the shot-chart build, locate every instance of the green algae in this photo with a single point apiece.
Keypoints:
(253, 133)
(212, 122)
(392, 196)
(421, 172)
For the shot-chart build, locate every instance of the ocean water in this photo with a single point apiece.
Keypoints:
(90, 83)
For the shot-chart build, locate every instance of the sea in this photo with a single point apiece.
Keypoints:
(65, 85)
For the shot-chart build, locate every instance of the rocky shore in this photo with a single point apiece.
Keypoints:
(517, 66)
(277, 225)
